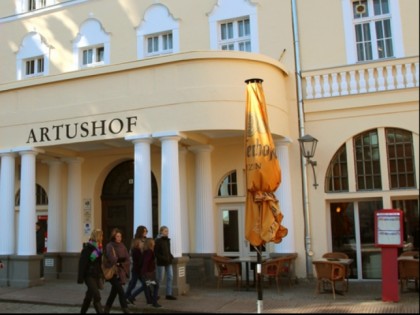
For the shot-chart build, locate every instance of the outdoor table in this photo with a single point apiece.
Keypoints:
(247, 260)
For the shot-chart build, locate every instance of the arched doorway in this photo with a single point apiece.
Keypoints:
(118, 200)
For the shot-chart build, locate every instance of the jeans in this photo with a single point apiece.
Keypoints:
(168, 271)
(129, 293)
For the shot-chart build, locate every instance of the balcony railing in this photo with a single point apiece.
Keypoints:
(361, 78)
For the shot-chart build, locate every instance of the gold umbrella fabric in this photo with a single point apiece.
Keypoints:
(263, 174)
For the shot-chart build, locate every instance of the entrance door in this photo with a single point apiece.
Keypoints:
(118, 214)
(232, 241)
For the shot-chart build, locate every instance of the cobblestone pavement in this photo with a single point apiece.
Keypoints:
(65, 296)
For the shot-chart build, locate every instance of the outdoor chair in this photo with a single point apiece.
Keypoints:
(339, 255)
(227, 269)
(329, 273)
(408, 270)
(270, 269)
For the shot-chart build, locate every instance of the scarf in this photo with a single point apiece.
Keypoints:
(97, 252)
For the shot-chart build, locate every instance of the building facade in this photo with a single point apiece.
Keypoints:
(121, 113)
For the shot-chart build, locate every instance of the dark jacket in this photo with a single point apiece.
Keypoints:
(149, 266)
(163, 251)
(89, 265)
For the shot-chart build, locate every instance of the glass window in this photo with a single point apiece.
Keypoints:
(400, 158)
(159, 44)
(93, 56)
(372, 25)
(410, 209)
(41, 196)
(229, 186)
(235, 35)
(368, 170)
(34, 66)
(337, 178)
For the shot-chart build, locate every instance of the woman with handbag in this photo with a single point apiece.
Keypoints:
(90, 271)
(117, 254)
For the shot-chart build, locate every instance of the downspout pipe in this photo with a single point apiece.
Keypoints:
(306, 214)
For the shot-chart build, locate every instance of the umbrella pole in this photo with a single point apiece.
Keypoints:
(259, 282)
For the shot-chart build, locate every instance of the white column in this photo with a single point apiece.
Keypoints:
(185, 218)
(204, 213)
(170, 197)
(74, 226)
(55, 211)
(7, 204)
(142, 183)
(27, 209)
(284, 195)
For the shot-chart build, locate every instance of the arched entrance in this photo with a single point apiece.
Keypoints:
(118, 200)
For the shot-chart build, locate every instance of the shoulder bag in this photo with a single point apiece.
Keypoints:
(108, 272)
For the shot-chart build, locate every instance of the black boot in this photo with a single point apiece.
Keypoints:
(98, 307)
(107, 308)
(85, 306)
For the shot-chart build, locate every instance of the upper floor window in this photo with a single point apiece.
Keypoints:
(229, 185)
(158, 33)
(233, 26)
(337, 178)
(92, 45)
(372, 29)
(400, 158)
(32, 58)
(93, 56)
(372, 23)
(235, 35)
(41, 196)
(159, 44)
(34, 66)
(36, 4)
(367, 160)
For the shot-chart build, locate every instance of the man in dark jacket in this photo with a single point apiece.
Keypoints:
(90, 271)
(164, 260)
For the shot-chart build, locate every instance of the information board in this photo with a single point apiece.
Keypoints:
(389, 228)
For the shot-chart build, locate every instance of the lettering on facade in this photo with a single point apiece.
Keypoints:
(84, 129)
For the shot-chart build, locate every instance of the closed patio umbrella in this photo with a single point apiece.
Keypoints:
(263, 176)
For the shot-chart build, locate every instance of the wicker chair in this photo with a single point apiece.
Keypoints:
(339, 255)
(227, 269)
(408, 269)
(270, 269)
(329, 273)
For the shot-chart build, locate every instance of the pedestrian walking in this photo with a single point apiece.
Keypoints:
(117, 254)
(164, 260)
(148, 272)
(90, 271)
(137, 247)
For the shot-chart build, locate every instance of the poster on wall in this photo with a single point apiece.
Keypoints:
(87, 216)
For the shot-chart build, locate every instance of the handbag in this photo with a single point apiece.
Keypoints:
(108, 272)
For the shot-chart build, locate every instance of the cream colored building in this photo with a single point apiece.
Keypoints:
(121, 113)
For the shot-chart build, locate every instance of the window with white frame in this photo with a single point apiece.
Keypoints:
(372, 30)
(36, 4)
(158, 44)
(372, 27)
(92, 45)
(32, 59)
(34, 66)
(235, 35)
(236, 31)
(92, 56)
(158, 34)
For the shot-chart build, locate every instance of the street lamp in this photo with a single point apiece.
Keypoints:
(307, 148)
